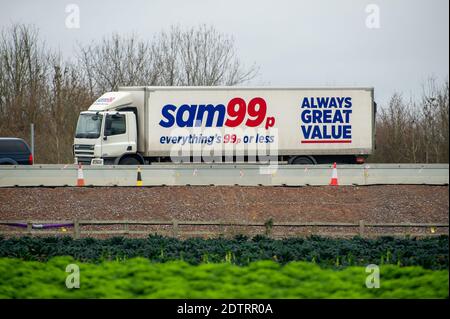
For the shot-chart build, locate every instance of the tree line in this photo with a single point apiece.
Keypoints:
(38, 85)
(414, 130)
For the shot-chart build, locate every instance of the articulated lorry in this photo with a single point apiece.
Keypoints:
(144, 125)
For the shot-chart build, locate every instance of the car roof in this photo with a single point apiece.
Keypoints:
(12, 138)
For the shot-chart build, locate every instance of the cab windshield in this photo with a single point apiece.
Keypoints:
(89, 126)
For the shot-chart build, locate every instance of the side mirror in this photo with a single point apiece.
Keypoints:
(105, 138)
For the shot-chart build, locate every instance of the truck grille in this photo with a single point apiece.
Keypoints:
(84, 150)
(85, 153)
(84, 147)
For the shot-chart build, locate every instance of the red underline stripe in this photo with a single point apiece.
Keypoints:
(325, 141)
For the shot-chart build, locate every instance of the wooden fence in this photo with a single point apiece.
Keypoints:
(174, 228)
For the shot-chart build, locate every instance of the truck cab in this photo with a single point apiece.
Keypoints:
(106, 135)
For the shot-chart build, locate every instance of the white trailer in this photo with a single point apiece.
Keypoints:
(141, 125)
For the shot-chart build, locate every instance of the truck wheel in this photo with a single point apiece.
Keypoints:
(129, 161)
(302, 160)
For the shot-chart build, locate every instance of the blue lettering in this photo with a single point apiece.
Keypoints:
(211, 110)
(166, 112)
(322, 101)
(306, 116)
(305, 102)
(340, 101)
(326, 102)
(317, 116)
(348, 102)
(186, 115)
(306, 130)
(325, 134)
(327, 116)
(337, 117)
(347, 134)
(190, 109)
(347, 115)
(336, 131)
(332, 102)
(316, 133)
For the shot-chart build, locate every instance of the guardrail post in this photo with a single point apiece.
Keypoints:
(76, 229)
(175, 228)
(361, 228)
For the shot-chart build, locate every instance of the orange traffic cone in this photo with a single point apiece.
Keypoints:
(80, 178)
(334, 176)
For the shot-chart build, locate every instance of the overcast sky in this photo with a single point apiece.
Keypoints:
(295, 43)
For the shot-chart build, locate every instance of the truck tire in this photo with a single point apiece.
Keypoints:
(129, 161)
(302, 160)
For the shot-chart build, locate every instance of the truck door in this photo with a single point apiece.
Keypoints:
(115, 136)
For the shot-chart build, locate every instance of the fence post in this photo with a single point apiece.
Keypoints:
(314, 229)
(76, 229)
(268, 225)
(221, 228)
(125, 227)
(29, 227)
(175, 228)
(361, 228)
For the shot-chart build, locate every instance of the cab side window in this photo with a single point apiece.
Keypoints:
(115, 124)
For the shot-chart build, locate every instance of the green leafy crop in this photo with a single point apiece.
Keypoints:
(140, 278)
(430, 253)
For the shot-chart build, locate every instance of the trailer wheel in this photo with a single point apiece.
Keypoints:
(129, 161)
(302, 160)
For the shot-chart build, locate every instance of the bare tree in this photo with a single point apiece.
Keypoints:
(116, 61)
(435, 117)
(23, 78)
(165, 64)
(415, 131)
(36, 86)
(67, 95)
(197, 56)
(23, 75)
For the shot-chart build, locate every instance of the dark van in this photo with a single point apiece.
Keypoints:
(14, 151)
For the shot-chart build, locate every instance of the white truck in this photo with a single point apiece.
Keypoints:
(143, 125)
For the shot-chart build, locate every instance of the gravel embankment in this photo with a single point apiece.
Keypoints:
(373, 204)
